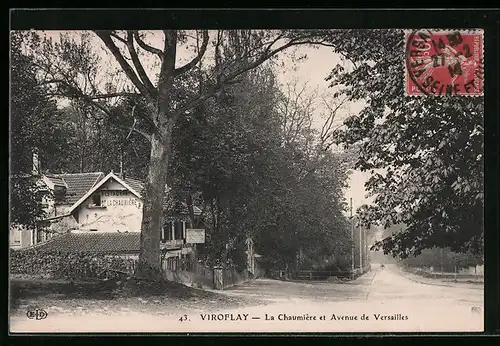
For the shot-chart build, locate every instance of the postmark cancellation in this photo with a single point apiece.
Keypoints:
(444, 62)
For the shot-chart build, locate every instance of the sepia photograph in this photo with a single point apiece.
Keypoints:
(246, 180)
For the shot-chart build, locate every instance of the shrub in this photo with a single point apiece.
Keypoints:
(67, 265)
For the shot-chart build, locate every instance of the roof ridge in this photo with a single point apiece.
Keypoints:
(82, 173)
(53, 176)
(97, 179)
(102, 233)
(65, 182)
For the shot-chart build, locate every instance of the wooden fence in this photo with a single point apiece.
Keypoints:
(427, 273)
(318, 274)
(231, 277)
(202, 270)
(177, 264)
(314, 274)
(186, 271)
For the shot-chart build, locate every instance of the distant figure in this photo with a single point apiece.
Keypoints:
(382, 266)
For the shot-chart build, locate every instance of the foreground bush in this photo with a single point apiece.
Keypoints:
(68, 265)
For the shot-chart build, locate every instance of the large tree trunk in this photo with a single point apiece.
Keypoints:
(149, 266)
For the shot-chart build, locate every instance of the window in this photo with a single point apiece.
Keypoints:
(39, 236)
(96, 199)
(15, 237)
(178, 230)
(59, 194)
(167, 232)
(178, 233)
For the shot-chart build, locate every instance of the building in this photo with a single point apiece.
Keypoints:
(95, 203)
(64, 191)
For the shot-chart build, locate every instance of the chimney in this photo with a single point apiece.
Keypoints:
(36, 163)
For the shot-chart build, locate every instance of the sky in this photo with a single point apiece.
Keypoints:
(312, 70)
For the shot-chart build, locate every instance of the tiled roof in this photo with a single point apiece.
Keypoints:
(78, 184)
(56, 180)
(109, 243)
(92, 242)
(137, 185)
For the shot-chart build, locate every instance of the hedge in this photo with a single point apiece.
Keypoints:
(68, 265)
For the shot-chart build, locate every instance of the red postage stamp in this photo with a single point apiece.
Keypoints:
(444, 62)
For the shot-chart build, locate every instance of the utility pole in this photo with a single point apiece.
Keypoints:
(441, 258)
(366, 248)
(352, 242)
(360, 247)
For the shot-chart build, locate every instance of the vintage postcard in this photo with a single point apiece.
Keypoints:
(200, 181)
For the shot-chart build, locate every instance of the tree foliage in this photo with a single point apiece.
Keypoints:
(207, 128)
(34, 130)
(256, 180)
(71, 68)
(425, 153)
(104, 143)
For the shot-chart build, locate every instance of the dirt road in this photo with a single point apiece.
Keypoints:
(380, 301)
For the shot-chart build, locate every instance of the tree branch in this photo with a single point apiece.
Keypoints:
(94, 103)
(197, 59)
(138, 65)
(327, 126)
(75, 93)
(117, 94)
(93, 97)
(52, 81)
(118, 37)
(273, 42)
(147, 47)
(108, 41)
(136, 130)
(265, 56)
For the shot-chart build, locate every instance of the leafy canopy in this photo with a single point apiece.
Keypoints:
(425, 153)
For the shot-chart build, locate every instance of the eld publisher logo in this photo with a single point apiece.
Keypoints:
(36, 314)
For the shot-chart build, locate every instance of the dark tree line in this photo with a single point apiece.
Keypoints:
(213, 129)
(233, 157)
